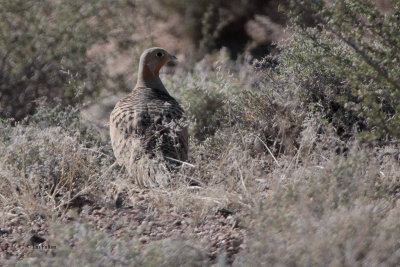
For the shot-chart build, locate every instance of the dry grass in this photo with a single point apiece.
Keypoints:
(46, 168)
(334, 210)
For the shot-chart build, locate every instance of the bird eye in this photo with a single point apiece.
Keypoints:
(159, 54)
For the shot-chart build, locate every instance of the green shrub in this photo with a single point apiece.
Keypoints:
(345, 57)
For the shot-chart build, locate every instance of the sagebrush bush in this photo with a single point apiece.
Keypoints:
(51, 163)
(346, 62)
(44, 50)
(222, 94)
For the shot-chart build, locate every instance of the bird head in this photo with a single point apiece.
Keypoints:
(152, 60)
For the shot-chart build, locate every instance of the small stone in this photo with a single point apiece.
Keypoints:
(35, 240)
(3, 231)
(177, 222)
(118, 202)
(143, 239)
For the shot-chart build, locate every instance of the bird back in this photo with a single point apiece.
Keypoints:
(148, 121)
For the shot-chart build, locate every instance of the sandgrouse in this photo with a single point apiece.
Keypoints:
(149, 121)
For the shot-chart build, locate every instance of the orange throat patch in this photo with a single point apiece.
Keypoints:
(148, 74)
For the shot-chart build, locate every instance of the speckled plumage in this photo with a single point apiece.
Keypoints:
(148, 121)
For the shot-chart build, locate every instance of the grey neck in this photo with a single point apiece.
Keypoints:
(154, 82)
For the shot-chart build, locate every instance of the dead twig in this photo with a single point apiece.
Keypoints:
(184, 163)
(269, 151)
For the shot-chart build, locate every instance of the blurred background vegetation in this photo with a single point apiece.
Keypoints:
(45, 51)
(70, 51)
